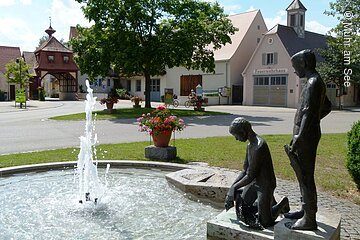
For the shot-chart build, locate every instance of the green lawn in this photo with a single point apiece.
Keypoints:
(331, 174)
(123, 113)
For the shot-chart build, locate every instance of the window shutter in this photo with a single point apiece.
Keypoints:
(264, 59)
(275, 57)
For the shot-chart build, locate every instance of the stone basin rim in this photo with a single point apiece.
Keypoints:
(164, 166)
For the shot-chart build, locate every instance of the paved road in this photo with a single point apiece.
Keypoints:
(23, 130)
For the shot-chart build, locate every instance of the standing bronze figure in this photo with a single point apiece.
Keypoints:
(312, 107)
(253, 189)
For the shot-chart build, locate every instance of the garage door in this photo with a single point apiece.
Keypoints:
(270, 90)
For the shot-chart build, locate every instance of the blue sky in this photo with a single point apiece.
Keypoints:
(22, 22)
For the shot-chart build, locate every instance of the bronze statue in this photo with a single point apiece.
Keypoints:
(254, 188)
(313, 106)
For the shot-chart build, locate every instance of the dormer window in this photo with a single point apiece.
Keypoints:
(51, 58)
(301, 20)
(292, 20)
(66, 59)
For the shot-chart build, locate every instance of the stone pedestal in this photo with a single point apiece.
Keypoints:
(226, 226)
(328, 228)
(160, 153)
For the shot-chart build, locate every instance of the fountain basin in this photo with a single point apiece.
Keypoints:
(139, 204)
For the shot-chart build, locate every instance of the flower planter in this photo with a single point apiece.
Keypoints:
(162, 139)
(109, 105)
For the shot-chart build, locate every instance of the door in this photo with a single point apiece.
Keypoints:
(270, 90)
(155, 90)
(237, 94)
(12, 92)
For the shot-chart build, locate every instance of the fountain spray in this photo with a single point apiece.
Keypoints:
(90, 186)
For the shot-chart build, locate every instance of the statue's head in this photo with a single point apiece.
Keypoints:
(303, 60)
(240, 129)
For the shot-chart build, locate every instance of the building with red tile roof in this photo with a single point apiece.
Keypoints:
(7, 54)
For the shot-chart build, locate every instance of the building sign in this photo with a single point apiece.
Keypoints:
(169, 95)
(271, 71)
(20, 96)
(224, 91)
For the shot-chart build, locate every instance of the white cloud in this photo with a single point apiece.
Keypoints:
(314, 26)
(235, 8)
(66, 13)
(26, 2)
(16, 32)
(279, 19)
(7, 2)
(251, 8)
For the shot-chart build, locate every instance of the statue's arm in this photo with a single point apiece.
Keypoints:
(310, 111)
(326, 108)
(249, 175)
(229, 199)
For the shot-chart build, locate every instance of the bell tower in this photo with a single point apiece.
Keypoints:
(296, 17)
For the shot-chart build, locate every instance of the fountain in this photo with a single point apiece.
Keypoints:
(42, 201)
(90, 186)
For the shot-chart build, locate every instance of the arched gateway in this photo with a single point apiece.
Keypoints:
(53, 58)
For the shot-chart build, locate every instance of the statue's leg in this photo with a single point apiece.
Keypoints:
(307, 156)
(265, 208)
(280, 208)
(238, 205)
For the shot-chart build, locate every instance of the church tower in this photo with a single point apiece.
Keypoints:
(296, 17)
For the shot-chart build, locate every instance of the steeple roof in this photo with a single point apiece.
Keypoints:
(53, 45)
(295, 5)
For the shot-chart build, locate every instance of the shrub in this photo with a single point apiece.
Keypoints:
(41, 94)
(122, 93)
(353, 154)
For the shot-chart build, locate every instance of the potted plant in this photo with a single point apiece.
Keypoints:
(136, 100)
(160, 124)
(109, 101)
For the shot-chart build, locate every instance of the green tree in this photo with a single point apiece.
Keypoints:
(341, 59)
(17, 71)
(46, 38)
(143, 37)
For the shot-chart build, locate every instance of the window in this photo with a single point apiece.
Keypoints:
(270, 80)
(138, 85)
(269, 58)
(292, 20)
(330, 85)
(99, 82)
(66, 59)
(261, 81)
(258, 27)
(257, 40)
(155, 85)
(188, 82)
(108, 82)
(51, 58)
(128, 85)
(301, 20)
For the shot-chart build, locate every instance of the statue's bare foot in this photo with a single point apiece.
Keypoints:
(295, 215)
(305, 223)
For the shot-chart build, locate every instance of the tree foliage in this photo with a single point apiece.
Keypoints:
(17, 71)
(341, 59)
(143, 37)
